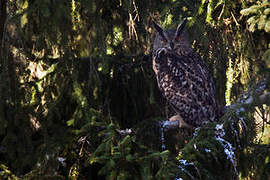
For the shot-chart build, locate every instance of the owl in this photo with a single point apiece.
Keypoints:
(183, 78)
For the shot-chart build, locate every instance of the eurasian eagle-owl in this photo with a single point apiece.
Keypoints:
(183, 77)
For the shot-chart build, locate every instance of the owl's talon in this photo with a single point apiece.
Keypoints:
(182, 123)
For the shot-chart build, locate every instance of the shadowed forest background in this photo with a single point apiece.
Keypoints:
(74, 72)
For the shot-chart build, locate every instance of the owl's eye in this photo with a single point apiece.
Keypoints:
(164, 40)
(178, 39)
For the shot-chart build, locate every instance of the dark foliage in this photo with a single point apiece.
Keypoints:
(72, 73)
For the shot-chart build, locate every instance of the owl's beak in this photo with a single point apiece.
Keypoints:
(171, 45)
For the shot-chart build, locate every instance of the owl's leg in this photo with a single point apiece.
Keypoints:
(182, 123)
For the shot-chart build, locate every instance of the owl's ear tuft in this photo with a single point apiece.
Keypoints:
(159, 30)
(180, 29)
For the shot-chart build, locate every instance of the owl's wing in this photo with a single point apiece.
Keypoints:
(188, 85)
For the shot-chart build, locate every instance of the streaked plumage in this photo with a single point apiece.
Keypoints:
(183, 78)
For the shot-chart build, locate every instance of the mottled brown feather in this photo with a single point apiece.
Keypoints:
(185, 81)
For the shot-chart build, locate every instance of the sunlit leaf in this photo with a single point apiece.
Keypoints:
(261, 22)
(252, 27)
(251, 19)
(266, 11)
(209, 18)
(267, 26)
(248, 11)
(70, 122)
(200, 10)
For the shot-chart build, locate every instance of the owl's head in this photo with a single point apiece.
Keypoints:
(170, 39)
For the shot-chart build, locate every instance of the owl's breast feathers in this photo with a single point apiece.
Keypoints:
(186, 83)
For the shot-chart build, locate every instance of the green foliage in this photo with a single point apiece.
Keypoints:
(124, 158)
(6, 174)
(74, 72)
(260, 16)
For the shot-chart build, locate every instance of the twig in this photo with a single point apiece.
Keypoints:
(237, 24)
(124, 132)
